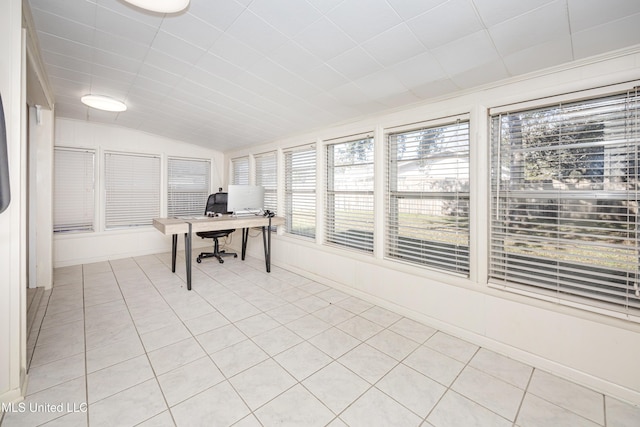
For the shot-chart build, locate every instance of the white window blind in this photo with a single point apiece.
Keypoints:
(132, 190)
(349, 197)
(428, 197)
(188, 186)
(300, 191)
(74, 193)
(240, 171)
(267, 177)
(565, 201)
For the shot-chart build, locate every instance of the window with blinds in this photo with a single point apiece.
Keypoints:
(132, 190)
(349, 196)
(300, 191)
(188, 186)
(427, 199)
(267, 177)
(565, 201)
(240, 171)
(74, 190)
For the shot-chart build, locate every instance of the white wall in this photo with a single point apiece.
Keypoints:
(594, 349)
(12, 220)
(40, 190)
(102, 245)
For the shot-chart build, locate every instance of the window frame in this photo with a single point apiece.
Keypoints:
(301, 191)
(421, 203)
(85, 182)
(192, 199)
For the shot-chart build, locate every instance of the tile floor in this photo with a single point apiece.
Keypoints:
(123, 343)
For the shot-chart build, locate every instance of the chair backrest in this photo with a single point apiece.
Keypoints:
(217, 203)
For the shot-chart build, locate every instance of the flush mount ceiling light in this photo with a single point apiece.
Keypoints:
(161, 6)
(103, 103)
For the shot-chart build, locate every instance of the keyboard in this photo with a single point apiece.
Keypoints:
(247, 212)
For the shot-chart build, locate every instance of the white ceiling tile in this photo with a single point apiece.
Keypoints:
(158, 75)
(530, 29)
(324, 39)
(435, 89)
(380, 85)
(607, 37)
(220, 14)
(127, 10)
(234, 51)
(354, 63)
(191, 29)
(119, 45)
(324, 6)
(82, 12)
(294, 57)
(324, 77)
(66, 47)
(409, 9)
(466, 53)
(62, 27)
(288, 16)
(398, 99)
(496, 11)
(125, 27)
(539, 57)
(379, 17)
(435, 27)
(168, 64)
(115, 61)
(589, 13)
(213, 65)
(172, 46)
(57, 60)
(483, 74)
(250, 29)
(124, 78)
(394, 45)
(418, 70)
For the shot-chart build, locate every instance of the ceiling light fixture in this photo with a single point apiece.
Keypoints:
(103, 103)
(161, 6)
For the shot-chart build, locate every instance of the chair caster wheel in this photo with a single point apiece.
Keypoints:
(235, 255)
(198, 260)
(221, 261)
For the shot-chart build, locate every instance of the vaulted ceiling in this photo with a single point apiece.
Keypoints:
(231, 73)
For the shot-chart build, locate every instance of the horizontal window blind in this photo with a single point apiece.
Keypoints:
(267, 177)
(74, 190)
(565, 201)
(428, 197)
(300, 191)
(188, 186)
(240, 171)
(349, 196)
(132, 190)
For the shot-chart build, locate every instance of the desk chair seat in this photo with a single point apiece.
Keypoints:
(216, 203)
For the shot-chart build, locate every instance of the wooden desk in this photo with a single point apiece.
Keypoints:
(175, 226)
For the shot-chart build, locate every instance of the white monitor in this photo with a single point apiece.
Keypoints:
(245, 198)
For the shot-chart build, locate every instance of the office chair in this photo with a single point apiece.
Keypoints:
(216, 203)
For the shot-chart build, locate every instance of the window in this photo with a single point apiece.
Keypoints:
(267, 176)
(74, 195)
(428, 197)
(349, 210)
(565, 201)
(240, 171)
(188, 186)
(132, 190)
(300, 191)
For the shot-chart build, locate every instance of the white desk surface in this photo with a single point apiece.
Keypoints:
(225, 222)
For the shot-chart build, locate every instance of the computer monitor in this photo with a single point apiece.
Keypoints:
(245, 197)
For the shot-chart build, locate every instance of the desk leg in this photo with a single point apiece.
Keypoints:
(174, 248)
(187, 256)
(245, 238)
(266, 241)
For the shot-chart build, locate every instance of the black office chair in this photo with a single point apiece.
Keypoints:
(216, 203)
